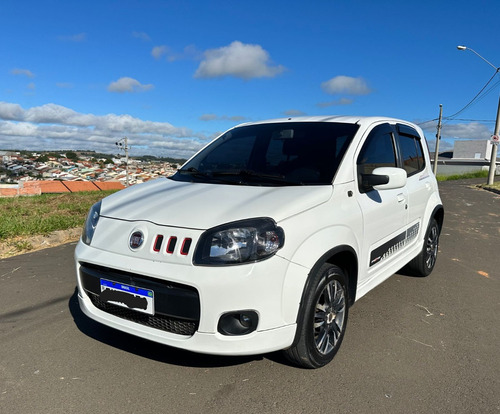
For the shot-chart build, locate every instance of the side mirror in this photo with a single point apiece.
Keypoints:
(384, 178)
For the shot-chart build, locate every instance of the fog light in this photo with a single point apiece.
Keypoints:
(238, 323)
(245, 320)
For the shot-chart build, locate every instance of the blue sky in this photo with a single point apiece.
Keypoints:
(171, 75)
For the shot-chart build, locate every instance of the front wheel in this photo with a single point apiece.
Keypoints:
(322, 320)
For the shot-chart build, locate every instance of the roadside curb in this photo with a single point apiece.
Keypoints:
(27, 244)
(490, 189)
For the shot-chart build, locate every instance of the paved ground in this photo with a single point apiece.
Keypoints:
(413, 345)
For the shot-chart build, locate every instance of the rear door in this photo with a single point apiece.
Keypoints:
(418, 182)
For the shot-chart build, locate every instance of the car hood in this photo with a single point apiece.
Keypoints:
(201, 206)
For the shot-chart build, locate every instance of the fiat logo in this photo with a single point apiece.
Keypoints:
(136, 239)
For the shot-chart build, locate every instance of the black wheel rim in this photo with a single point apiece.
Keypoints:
(432, 247)
(329, 317)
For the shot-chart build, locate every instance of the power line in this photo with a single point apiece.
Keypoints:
(476, 97)
(474, 120)
(473, 99)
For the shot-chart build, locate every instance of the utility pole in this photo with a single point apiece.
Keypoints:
(123, 144)
(494, 146)
(438, 138)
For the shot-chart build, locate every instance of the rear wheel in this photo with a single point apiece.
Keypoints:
(424, 263)
(323, 319)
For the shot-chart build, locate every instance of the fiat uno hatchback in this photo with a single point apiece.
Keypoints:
(265, 238)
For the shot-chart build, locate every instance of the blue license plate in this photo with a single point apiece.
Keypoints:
(132, 297)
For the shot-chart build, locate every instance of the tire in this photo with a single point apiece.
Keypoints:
(322, 319)
(424, 263)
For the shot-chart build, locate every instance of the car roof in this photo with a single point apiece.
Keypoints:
(348, 119)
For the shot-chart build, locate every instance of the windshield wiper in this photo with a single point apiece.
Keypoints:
(193, 171)
(277, 178)
(208, 176)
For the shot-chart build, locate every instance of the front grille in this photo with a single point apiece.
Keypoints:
(177, 306)
(165, 323)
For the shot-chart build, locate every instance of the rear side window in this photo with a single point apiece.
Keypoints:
(411, 150)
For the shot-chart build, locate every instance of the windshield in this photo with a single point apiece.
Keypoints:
(293, 153)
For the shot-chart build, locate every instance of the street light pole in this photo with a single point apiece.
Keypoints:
(493, 160)
(494, 146)
(438, 138)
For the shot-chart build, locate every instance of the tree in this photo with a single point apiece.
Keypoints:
(43, 158)
(72, 156)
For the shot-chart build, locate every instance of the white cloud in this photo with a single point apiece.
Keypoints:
(347, 85)
(22, 72)
(208, 117)
(51, 126)
(141, 36)
(10, 111)
(190, 52)
(213, 117)
(472, 130)
(159, 51)
(127, 84)
(240, 60)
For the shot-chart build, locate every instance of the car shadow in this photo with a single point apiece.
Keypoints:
(408, 273)
(155, 351)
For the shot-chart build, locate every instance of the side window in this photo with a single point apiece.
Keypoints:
(411, 152)
(378, 151)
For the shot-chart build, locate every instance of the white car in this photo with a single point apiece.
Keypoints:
(265, 238)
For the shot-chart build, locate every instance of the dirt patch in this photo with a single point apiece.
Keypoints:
(495, 188)
(26, 244)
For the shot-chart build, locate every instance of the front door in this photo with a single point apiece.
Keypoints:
(385, 212)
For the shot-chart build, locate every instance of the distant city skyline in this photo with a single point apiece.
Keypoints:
(171, 76)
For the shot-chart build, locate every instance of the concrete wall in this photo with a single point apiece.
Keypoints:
(453, 169)
(30, 188)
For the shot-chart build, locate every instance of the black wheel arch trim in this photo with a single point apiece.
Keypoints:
(438, 215)
(345, 258)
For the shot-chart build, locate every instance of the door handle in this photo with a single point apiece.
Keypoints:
(401, 198)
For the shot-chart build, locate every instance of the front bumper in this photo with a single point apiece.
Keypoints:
(271, 288)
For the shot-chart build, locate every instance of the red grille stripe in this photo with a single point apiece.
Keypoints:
(171, 244)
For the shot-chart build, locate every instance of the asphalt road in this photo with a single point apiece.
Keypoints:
(413, 345)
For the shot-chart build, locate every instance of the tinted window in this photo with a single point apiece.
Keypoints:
(377, 151)
(233, 154)
(411, 154)
(290, 153)
(411, 149)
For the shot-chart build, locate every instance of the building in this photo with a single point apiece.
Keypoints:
(467, 156)
(473, 149)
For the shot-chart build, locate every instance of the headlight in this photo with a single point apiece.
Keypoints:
(239, 242)
(91, 223)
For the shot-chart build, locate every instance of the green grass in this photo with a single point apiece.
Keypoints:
(477, 174)
(43, 214)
